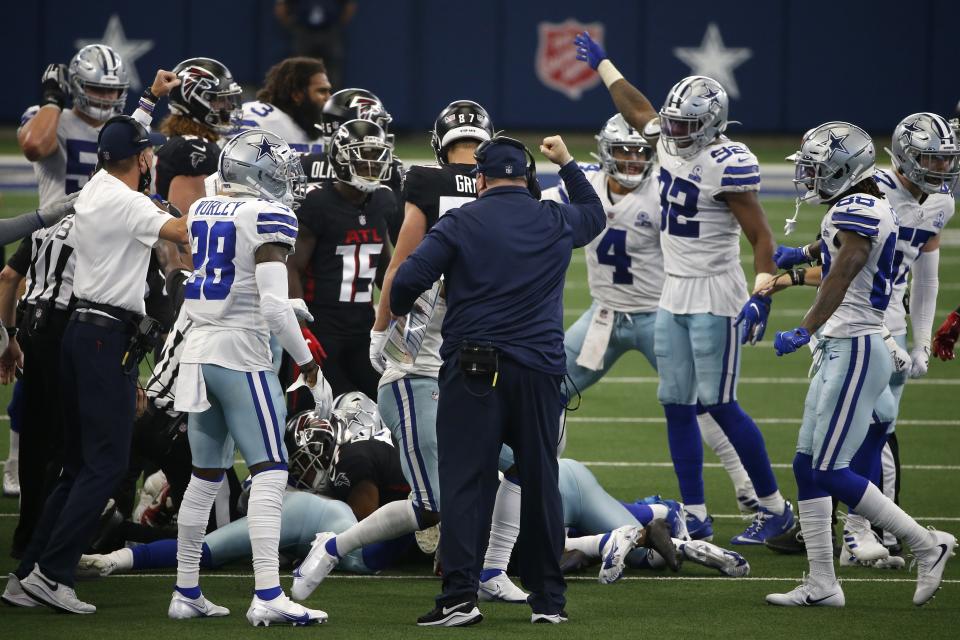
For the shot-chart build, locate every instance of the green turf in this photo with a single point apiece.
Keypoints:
(644, 604)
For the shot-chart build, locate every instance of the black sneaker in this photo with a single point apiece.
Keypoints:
(791, 542)
(658, 538)
(461, 614)
(549, 618)
(572, 561)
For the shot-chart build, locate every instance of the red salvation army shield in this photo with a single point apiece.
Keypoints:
(557, 65)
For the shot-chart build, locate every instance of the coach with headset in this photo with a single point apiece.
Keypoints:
(115, 228)
(503, 257)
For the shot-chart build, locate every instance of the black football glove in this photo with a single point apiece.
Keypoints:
(55, 86)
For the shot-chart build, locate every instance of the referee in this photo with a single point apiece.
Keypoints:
(115, 227)
(504, 258)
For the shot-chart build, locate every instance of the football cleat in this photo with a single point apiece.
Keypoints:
(766, 524)
(614, 552)
(501, 589)
(11, 478)
(428, 539)
(810, 593)
(789, 542)
(861, 542)
(573, 560)
(657, 539)
(890, 562)
(549, 618)
(14, 594)
(182, 608)
(729, 563)
(698, 529)
(930, 565)
(54, 594)
(315, 567)
(461, 614)
(282, 610)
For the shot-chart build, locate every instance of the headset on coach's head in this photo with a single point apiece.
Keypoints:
(480, 155)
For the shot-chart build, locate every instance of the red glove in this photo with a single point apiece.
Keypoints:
(946, 337)
(316, 350)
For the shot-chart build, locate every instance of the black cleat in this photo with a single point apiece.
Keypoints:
(573, 561)
(658, 538)
(459, 614)
(790, 542)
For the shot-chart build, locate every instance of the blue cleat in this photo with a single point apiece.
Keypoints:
(766, 524)
(699, 529)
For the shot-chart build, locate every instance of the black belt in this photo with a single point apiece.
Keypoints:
(101, 320)
(119, 313)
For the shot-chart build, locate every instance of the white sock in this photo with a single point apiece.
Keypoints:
(773, 502)
(856, 521)
(882, 511)
(699, 510)
(816, 523)
(662, 510)
(504, 527)
(889, 470)
(390, 521)
(191, 526)
(588, 545)
(14, 455)
(720, 444)
(123, 558)
(263, 522)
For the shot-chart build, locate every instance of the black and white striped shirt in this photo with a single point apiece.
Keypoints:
(52, 262)
(163, 380)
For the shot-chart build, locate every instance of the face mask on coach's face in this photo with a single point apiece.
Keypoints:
(145, 179)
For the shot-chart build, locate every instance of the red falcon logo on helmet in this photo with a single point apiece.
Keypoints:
(194, 79)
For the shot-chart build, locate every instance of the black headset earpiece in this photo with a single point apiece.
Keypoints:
(533, 185)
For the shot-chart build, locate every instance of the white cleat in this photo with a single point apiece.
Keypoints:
(729, 563)
(14, 595)
(614, 553)
(930, 565)
(11, 478)
(315, 567)
(428, 539)
(890, 562)
(282, 610)
(810, 594)
(183, 608)
(501, 589)
(53, 594)
(861, 542)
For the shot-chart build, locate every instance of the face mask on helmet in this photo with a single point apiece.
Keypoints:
(683, 136)
(259, 164)
(368, 164)
(934, 172)
(313, 449)
(100, 102)
(628, 164)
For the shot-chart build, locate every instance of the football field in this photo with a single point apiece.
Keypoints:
(619, 433)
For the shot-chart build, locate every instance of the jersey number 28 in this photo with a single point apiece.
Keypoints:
(213, 269)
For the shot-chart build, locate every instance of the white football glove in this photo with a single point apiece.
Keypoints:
(901, 359)
(300, 309)
(377, 340)
(921, 360)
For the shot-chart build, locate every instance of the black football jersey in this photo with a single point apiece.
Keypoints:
(437, 189)
(317, 168)
(339, 280)
(184, 156)
(370, 460)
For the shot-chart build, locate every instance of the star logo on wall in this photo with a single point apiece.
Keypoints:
(714, 60)
(128, 50)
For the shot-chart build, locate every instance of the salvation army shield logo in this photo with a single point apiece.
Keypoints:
(557, 65)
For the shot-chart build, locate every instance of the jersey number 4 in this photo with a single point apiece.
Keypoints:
(612, 251)
(213, 270)
(359, 271)
(678, 206)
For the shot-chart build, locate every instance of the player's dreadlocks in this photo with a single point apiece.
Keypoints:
(867, 185)
(287, 77)
(177, 125)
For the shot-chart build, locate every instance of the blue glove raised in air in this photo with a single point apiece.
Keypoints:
(753, 316)
(787, 257)
(790, 341)
(588, 50)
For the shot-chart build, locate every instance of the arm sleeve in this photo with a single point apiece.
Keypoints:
(20, 260)
(13, 229)
(144, 220)
(276, 309)
(923, 296)
(424, 266)
(585, 213)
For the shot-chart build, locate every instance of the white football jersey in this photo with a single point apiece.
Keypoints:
(624, 263)
(918, 224)
(71, 165)
(699, 237)
(261, 115)
(221, 296)
(861, 312)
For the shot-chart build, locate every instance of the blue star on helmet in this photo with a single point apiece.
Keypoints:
(711, 95)
(836, 142)
(912, 127)
(265, 148)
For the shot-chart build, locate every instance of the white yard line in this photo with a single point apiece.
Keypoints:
(788, 421)
(775, 465)
(765, 380)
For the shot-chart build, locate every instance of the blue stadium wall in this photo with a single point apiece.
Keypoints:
(868, 62)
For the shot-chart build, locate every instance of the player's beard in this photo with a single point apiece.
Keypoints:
(307, 116)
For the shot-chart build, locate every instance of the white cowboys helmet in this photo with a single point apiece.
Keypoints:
(97, 67)
(355, 400)
(693, 115)
(260, 164)
(924, 149)
(624, 154)
(832, 158)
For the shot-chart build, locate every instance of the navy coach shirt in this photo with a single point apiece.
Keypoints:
(504, 258)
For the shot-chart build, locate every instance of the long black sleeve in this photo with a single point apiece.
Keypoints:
(584, 213)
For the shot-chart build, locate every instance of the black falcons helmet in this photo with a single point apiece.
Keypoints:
(353, 104)
(208, 94)
(460, 120)
(311, 444)
(360, 155)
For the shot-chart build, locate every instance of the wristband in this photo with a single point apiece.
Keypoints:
(12, 332)
(608, 72)
(148, 101)
(798, 277)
